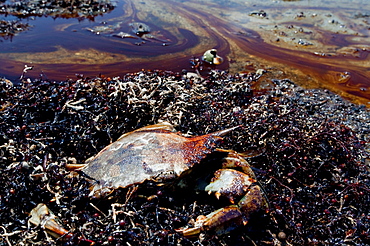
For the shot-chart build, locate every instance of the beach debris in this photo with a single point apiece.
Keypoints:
(123, 35)
(43, 217)
(210, 57)
(25, 70)
(138, 31)
(105, 28)
(139, 28)
(63, 9)
(304, 42)
(258, 13)
(9, 28)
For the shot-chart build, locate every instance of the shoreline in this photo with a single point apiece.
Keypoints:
(312, 45)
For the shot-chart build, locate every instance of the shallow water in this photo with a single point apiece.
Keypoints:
(312, 42)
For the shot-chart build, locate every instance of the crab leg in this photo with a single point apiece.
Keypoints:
(235, 160)
(224, 132)
(228, 218)
(213, 220)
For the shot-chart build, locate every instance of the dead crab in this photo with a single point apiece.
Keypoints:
(158, 153)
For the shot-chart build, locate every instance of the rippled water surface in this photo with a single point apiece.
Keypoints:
(313, 42)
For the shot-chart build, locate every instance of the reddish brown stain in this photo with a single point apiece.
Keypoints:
(333, 72)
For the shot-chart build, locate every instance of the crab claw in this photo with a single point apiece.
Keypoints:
(229, 183)
(228, 218)
(221, 221)
(234, 185)
(42, 216)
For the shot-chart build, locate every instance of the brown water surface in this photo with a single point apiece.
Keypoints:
(315, 43)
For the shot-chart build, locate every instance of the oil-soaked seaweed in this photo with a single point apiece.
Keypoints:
(309, 149)
(57, 8)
